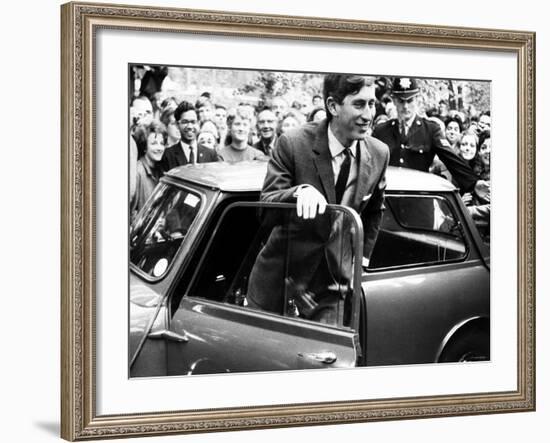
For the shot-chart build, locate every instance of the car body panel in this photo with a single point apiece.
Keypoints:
(402, 325)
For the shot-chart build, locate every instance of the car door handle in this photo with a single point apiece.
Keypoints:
(327, 357)
(169, 335)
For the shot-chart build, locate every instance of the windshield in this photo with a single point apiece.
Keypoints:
(160, 227)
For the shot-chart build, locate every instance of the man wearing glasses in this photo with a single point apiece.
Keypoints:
(187, 150)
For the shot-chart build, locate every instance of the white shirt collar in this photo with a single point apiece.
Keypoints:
(186, 146)
(408, 123)
(336, 148)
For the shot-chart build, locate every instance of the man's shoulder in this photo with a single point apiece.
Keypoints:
(306, 131)
(427, 123)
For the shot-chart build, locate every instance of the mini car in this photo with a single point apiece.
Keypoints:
(423, 298)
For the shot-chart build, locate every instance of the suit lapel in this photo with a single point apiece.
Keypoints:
(180, 156)
(323, 162)
(364, 173)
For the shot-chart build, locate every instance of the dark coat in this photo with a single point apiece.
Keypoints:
(174, 157)
(303, 157)
(417, 150)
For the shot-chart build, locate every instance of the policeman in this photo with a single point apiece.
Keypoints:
(414, 140)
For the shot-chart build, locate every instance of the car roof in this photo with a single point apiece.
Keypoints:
(249, 176)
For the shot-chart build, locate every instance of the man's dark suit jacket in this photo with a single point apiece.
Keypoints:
(417, 149)
(303, 157)
(174, 157)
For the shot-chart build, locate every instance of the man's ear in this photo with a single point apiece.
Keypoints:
(332, 106)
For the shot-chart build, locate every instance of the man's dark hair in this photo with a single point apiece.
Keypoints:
(218, 106)
(338, 86)
(182, 108)
(457, 120)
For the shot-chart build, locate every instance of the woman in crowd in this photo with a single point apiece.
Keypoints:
(238, 149)
(468, 147)
(148, 166)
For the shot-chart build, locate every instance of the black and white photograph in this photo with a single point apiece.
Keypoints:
(283, 220)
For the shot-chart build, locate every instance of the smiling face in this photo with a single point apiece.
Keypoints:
(468, 147)
(155, 147)
(189, 126)
(452, 132)
(351, 118)
(267, 123)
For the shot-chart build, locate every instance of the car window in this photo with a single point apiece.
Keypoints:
(270, 259)
(418, 229)
(160, 227)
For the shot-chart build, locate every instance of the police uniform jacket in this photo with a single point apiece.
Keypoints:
(417, 149)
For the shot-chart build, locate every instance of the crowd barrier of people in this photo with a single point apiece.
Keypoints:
(166, 133)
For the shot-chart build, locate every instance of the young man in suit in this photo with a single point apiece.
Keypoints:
(187, 151)
(334, 162)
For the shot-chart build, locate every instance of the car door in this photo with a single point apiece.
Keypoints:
(215, 328)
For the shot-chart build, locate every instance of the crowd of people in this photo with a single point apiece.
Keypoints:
(457, 142)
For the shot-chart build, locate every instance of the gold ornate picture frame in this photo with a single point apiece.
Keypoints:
(79, 397)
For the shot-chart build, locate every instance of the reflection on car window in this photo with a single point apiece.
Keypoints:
(160, 228)
(280, 263)
(418, 230)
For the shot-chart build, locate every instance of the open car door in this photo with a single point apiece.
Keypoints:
(256, 300)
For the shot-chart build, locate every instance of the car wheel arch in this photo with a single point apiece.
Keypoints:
(477, 323)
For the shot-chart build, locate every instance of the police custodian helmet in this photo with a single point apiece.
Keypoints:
(405, 87)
